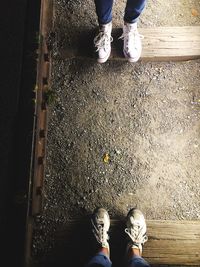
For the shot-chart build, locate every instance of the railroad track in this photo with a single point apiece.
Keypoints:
(39, 151)
(41, 89)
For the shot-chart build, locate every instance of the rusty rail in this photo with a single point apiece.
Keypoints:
(40, 125)
(42, 86)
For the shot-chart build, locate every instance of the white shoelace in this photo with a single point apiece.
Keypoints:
(131, 36)
(136, 236)
(100, 234)
(102, 40)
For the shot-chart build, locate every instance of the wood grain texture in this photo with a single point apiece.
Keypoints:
(173, 242)
(160, 44)
(169, 42)
(170, 243)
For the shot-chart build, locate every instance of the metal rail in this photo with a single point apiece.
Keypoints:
(40, 125)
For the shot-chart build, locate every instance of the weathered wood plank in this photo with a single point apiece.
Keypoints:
(170, 242)
(160, 44)
(174, 229)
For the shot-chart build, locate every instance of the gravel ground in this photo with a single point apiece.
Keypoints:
(144, 116)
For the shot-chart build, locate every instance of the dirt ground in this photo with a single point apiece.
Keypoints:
(145, 116)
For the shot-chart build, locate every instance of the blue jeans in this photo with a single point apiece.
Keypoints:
(132, 11)
(100, 260)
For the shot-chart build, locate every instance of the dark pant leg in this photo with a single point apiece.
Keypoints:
(133, 10)
(104, 10)
(138, 261)
(99, 260)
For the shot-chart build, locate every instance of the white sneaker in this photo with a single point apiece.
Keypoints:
(136, 229)
(102, 42)
(101, 224)
(132, 42)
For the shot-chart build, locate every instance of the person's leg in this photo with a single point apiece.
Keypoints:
(136, 231)
(104, 11)
(103, 39)
(133, 10)
(99, 260)
(100, 225)
(135, 259)
(132, 39)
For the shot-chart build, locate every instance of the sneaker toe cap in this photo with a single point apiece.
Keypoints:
(103, 53)
(134, 54)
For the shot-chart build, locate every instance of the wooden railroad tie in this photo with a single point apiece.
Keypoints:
(172, 243)
(159, 44)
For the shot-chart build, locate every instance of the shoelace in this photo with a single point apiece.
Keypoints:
(136, 235)
(131, 35)
(100, 234)
(101, 40)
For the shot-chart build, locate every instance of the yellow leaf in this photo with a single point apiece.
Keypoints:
(106, 158)
(195, 13)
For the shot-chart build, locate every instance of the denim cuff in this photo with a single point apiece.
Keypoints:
(137, 261)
